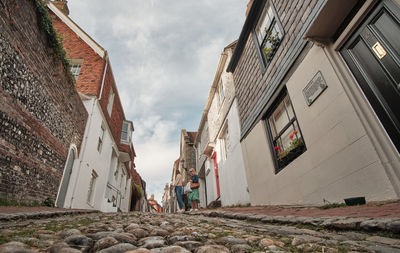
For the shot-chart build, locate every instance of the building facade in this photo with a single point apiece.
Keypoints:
(219, 154)
(318, 100)
(42, 119)
(102, 178)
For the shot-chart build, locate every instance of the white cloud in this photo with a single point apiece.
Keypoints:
(164, 55)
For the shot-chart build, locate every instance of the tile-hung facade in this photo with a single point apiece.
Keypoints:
(103, 176)
(318, 94)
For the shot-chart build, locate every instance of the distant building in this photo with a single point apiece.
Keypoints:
(317, 86)
(153, 205)
(219, 154)
(42, 118)
(102, 177)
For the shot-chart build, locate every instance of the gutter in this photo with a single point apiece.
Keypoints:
(104, 75)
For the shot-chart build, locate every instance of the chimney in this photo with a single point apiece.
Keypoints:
(62, 5)
(249, 4)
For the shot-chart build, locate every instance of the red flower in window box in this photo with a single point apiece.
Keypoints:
(292, 134)
(278, 148)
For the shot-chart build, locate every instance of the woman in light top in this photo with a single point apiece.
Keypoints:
(179, 189)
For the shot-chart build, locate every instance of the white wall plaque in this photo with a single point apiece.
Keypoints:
(314, 88)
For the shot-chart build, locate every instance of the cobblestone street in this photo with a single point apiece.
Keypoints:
(194, 232)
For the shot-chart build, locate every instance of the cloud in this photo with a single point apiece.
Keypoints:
(164, 55)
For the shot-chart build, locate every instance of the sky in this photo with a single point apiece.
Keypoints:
(164, 55)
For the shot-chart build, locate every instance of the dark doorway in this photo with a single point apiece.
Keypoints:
(373, 56)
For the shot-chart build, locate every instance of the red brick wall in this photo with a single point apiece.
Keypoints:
(41, 114)
(91, 74)
(117, 114)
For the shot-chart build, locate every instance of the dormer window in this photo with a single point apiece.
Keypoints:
(126, 133)
(75, 67)
(110, 102)
(269, 33)
(221, 91)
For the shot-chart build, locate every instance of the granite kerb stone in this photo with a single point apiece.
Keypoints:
(391, 225)
(42, 214)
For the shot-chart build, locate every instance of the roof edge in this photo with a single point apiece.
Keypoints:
(244, 34)
(79, 31)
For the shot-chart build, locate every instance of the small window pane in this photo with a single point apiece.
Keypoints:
(289, 108)
(280, 117)
(124, 136)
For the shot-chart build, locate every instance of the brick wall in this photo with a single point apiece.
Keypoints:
(91, 74)
(117, 114)
(249, 80)
(41, 114)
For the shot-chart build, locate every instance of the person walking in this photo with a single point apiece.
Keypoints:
(179, 189)
(194, 195)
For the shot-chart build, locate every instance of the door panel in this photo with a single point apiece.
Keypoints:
(373, 56)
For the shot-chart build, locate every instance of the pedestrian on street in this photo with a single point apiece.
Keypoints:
(194, 195)
(179, 189)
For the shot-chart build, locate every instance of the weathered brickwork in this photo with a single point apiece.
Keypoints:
(41, 114)
(91, 74)
(117, 113)
(250, 81)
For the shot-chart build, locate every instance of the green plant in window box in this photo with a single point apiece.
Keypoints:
(295, 148)
(272, 42)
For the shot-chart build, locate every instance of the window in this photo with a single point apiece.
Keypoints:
(126, 133)
(269, 33)
(91, 191)
(221, 91)
(75, 67)
(224, 143)
(110, 102)
(287, 141)
(101, 136)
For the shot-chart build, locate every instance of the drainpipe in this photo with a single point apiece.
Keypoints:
(83, 148)
(104, 75)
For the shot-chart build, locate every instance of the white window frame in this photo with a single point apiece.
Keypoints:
(221, 92)
(128, 132)
(268, 29)
(75, 66)
(101, 138)
(110, 102)
(223, 142)
(92, 187)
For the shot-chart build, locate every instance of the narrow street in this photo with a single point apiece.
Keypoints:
(190, 232)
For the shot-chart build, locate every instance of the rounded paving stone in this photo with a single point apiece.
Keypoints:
(180, 238)
(69, 232)
(58, 246)
(119, 248)
(189, 245)
(139, 250)
(212, 249)
(159, 232)
(12, 246)
(152, 242)
(232, 240)
(69, 250)
(139, 233)
(104, 243)
(170, 249)
(125, 238)
(99, 235)
(240, 248)
(79, 242)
